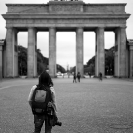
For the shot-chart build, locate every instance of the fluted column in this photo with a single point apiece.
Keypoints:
(96, 59)
(1, 61)
(35, 62)
(120, 53)
(10, 52)
(32, 52)
(79, 51)
(52, 52)
(117, 53)
(131, 60)
(15, 40)
(122, 66)
(100, 57)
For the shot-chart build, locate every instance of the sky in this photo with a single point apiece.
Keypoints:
(66, 41)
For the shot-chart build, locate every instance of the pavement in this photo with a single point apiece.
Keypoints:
(91, 106)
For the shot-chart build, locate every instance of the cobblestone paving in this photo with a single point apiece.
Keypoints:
(90, 106)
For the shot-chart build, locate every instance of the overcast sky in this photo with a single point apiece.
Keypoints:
(66, 42)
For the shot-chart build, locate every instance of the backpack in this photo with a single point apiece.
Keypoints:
(40, 99)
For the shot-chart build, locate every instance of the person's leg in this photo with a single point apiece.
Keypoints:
(38, 122)
(48, 128)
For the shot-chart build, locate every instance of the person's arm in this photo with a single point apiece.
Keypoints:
(30, 95)
(53, 98)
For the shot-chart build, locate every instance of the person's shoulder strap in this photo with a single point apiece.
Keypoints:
(50, 93)
(47, 88)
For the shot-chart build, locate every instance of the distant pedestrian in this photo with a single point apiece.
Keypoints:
(74, 78)
(89, 74)
(78, 76)
(100, 76)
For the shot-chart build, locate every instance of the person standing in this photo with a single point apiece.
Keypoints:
(78, 76)
(100, 76)
(46, 82)
(74, 78)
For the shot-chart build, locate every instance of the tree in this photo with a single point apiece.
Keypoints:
(22, 60)
(42, 62)
(60, 68)
(109, 63)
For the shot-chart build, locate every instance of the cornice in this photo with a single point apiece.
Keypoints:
(68, 3)
(64, 15)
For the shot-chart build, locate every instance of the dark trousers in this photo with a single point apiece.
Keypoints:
(78, 79)
(38, 122)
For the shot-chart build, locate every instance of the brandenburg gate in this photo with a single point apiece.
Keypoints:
(59, 16)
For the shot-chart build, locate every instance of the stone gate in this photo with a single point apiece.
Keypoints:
(75, 16)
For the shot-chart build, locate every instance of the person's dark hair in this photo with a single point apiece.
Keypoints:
(45, 79)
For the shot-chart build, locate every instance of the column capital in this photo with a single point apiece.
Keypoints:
(9, 27)
(131, 46)
(31, 28)
(79, 27)
(123, 27)
(100, 27)
(12, 28)
(52, 28)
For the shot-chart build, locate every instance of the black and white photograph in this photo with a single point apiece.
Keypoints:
(66, 66)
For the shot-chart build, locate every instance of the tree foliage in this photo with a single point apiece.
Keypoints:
(22, 60)
(109, 63)
(42, 62)
(60, 68)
